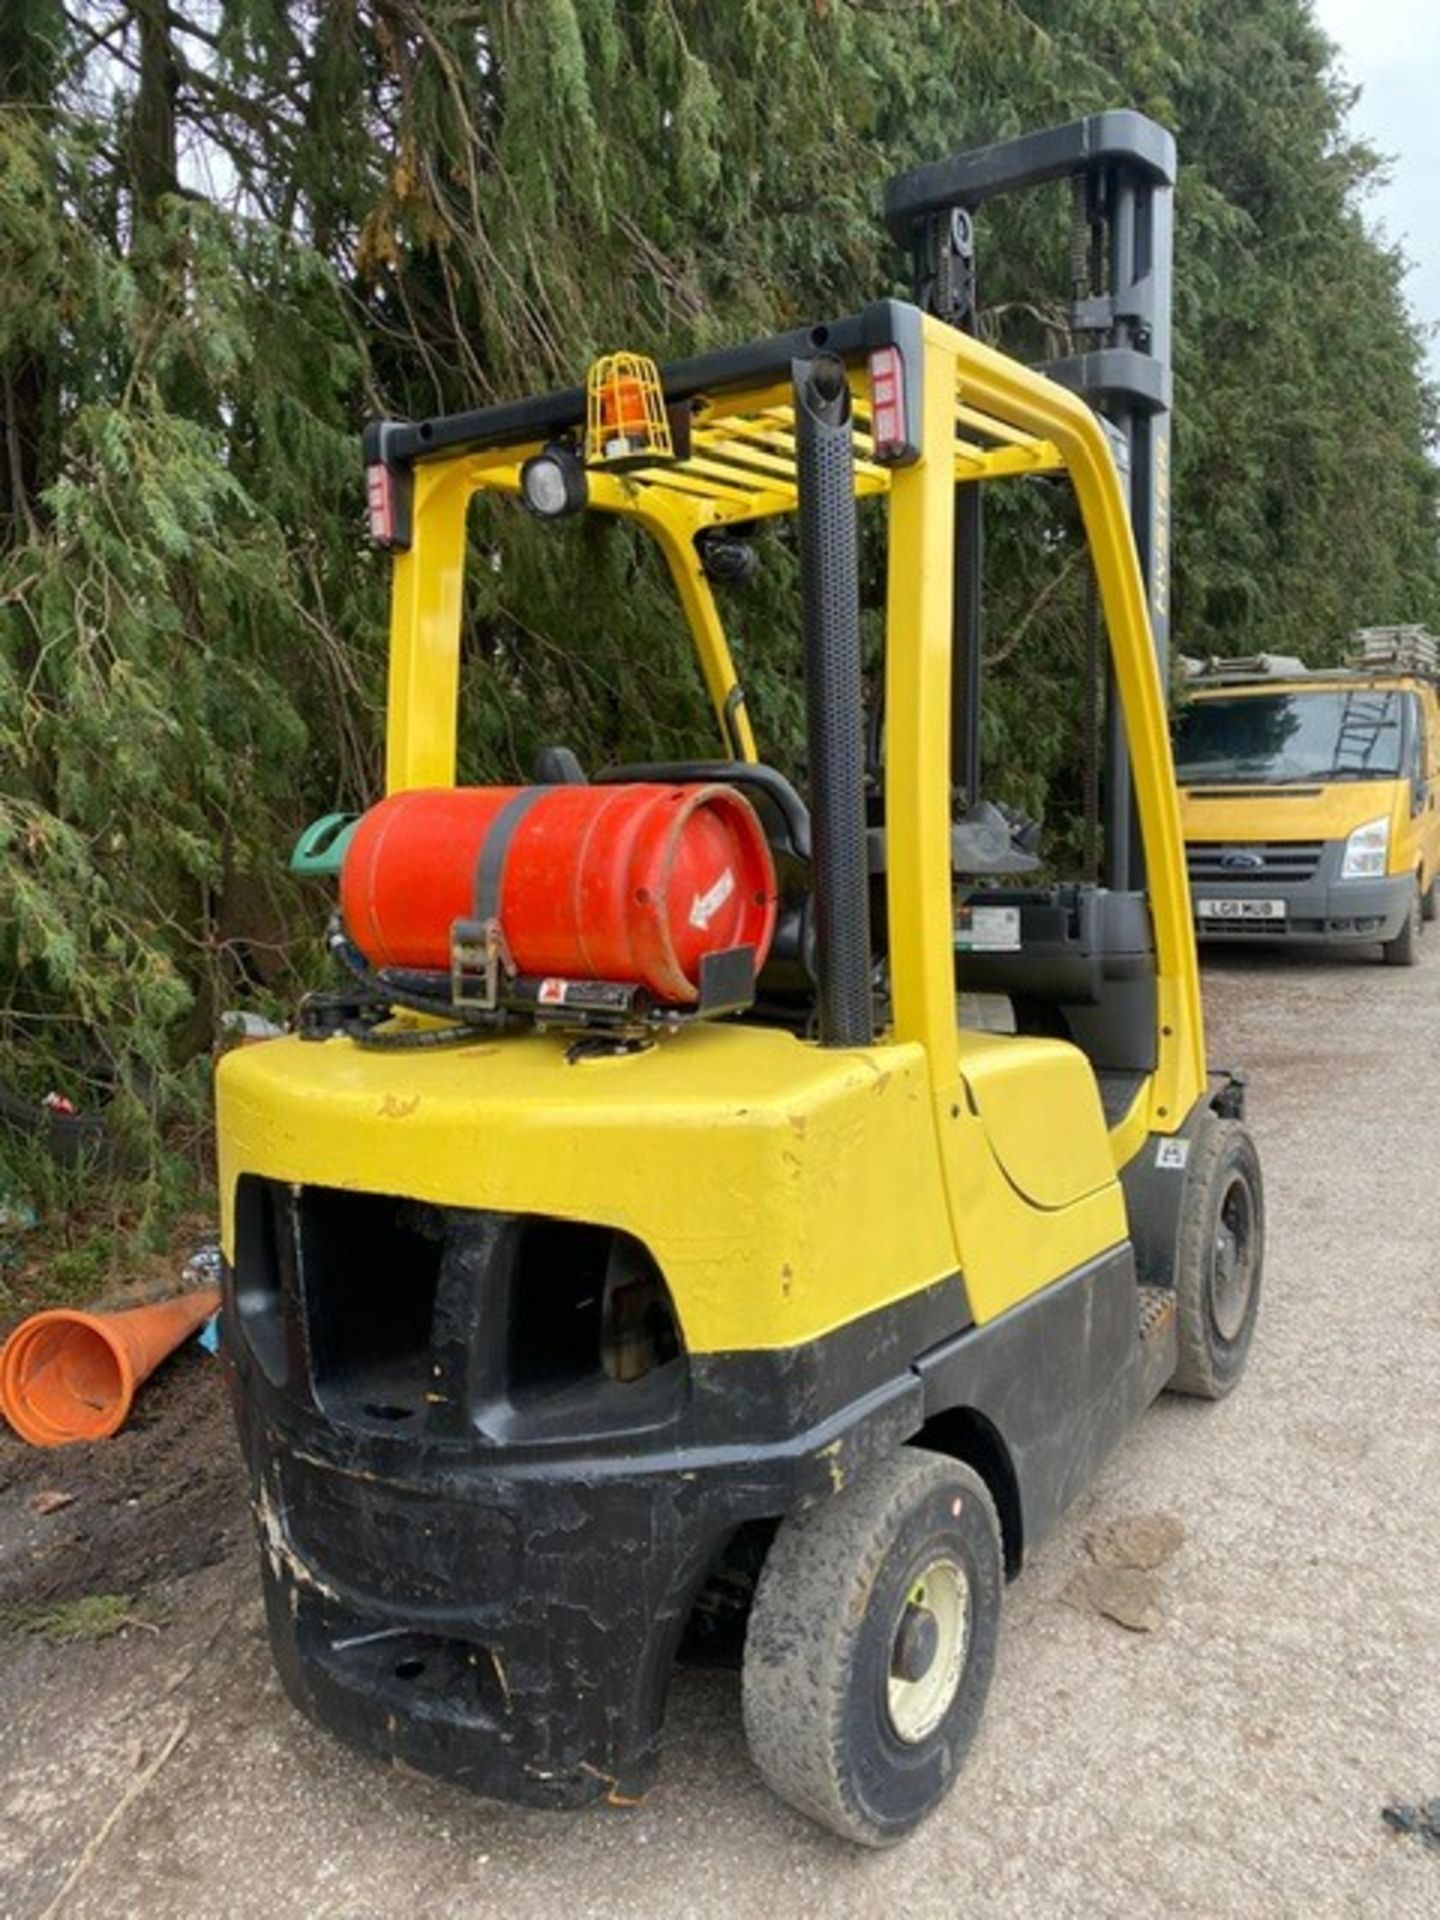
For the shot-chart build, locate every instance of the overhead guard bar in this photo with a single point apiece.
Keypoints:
(834, 699)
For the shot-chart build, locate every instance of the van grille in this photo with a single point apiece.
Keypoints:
(1275, 860)
(1268, 792)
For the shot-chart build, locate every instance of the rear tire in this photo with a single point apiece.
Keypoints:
(1220, 1261)
(1404, 949)
(1429, 903)
(871, 1643)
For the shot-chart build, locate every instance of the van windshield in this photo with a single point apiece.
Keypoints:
(1270, 738)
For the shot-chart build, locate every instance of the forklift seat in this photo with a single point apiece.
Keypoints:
(788, 975)
(789, 972)
(559, 767)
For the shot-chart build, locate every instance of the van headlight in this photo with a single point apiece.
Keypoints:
(1366, 851)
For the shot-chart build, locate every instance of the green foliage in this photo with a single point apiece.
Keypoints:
(233, 230)
(168, 637)
(94, 1616)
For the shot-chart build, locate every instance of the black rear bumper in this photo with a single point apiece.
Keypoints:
(503, 1607)
(487, 1577)
(512, 1631)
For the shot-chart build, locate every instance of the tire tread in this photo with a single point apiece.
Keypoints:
(798, 1643)
(1195, 1371)
(1404, 949)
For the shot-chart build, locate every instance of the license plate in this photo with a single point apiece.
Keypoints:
(1240, 909)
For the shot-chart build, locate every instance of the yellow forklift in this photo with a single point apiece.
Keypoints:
(637, 1247)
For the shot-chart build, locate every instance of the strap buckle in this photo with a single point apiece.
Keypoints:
(480, 962)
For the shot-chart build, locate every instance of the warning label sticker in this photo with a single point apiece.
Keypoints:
(987, 930)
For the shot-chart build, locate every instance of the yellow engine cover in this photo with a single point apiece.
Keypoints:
(783, 1189)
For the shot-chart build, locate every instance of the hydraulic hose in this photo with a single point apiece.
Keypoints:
(406, 993)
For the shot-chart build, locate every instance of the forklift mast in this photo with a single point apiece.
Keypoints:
(1121, 167)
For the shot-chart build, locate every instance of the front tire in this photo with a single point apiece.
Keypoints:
(871, 1643)
(1220, 1259)
(1429, 901)
(1404, 949)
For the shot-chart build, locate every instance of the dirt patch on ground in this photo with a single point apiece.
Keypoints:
(162, 1498)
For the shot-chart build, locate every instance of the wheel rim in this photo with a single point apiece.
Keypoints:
(1232, 1277)
(928, 1648)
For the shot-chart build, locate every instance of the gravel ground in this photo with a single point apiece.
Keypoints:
(1233, 1762)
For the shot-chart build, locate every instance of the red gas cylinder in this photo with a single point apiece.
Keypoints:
(631, 883)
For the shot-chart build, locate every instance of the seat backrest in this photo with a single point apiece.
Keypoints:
(559, 767)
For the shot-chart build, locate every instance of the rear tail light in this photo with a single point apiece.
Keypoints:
(888, 425)
(380, 497)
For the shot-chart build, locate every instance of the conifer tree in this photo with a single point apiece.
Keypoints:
(233, 229)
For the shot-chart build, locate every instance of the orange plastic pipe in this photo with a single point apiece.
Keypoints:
(66, 1375)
